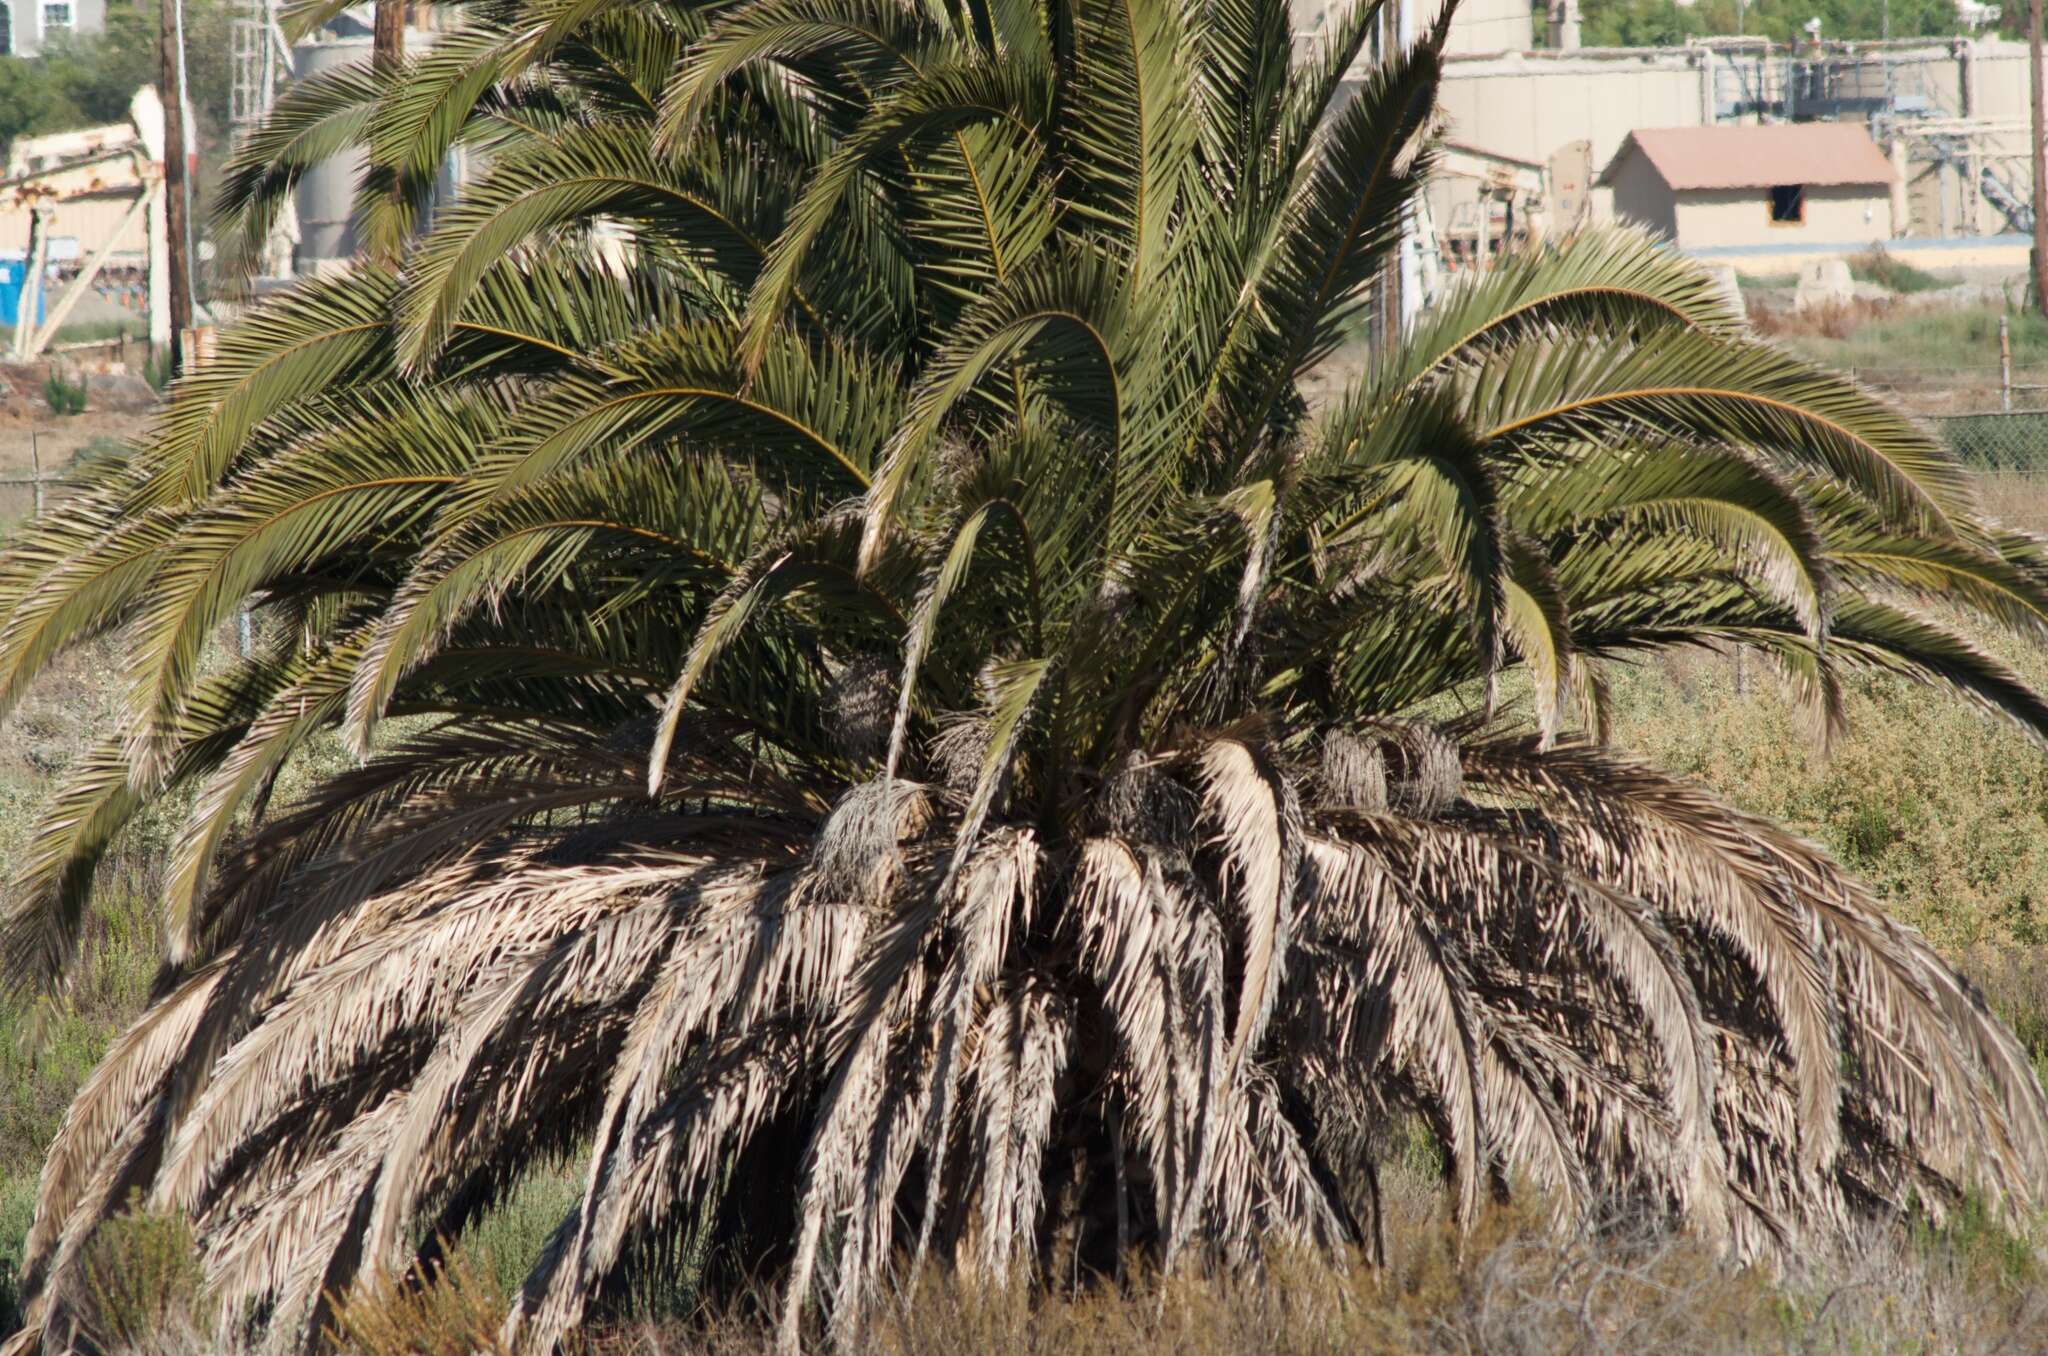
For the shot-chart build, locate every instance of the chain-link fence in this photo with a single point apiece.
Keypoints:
(1995, 416)
(1936, 391)
(37, 465)
(2015, 442)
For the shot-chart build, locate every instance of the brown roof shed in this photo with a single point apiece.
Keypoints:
(1818, 153)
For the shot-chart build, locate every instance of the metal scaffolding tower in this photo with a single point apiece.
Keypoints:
(262, 63)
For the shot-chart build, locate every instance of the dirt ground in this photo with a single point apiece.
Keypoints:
(119, 404)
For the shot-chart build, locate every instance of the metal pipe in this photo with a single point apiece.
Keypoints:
(2040, 158)
(177, 199)
(32, 282)
(2005, 363)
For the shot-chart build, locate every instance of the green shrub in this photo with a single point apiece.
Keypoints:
(2014, 981)
(145, 1288)
(1942, 812)
(1974, 1246)
(506, 1241)
(1878, 266)
(64, 397)
(1999, 442)
(17, 1212)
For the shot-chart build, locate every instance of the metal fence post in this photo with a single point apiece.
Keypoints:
(35, 468)
(2005, 364)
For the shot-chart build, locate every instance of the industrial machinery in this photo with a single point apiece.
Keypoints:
(1507, 202)
(98, 183)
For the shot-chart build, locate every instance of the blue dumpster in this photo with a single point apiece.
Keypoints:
(13, 282)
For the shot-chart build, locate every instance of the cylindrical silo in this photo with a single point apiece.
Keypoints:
(327, 191)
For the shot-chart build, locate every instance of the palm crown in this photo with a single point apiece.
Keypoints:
(879, 710)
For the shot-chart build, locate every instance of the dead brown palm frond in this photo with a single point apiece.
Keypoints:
(1677, 865)
(1554, 1026)
(277, 1244)
(1924, 1049)
(1406, 1003)
(343, 1016)
(1024, 1046)
(525, 1047)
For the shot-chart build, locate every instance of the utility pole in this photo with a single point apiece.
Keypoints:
(171, 79)
(387, 37)
(387, 50)
(2040, 259)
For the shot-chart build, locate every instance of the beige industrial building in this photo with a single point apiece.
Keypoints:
(79, 190)
(1951, 112)
(1819, 185)
(90, 219)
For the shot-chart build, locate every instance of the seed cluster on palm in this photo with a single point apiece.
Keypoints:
(877, 711)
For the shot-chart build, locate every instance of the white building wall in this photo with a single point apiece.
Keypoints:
(78, 227)
(1491, 26)
(1853, 215)
(1527, 106)
(30, 23)
(1998, 78)
(1642, 197)
(1480, 25)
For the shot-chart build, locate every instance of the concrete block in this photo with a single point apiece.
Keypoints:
(1728, 285)
(1824, 282)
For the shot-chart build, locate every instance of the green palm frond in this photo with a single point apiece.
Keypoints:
(315, 120)
(1685, 382)
(1001, 103)
(323, 334)
(587, 173)
(867, 42)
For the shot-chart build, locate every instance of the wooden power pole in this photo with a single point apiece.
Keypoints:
(2040, 259)
(171, 79)
(387, 35)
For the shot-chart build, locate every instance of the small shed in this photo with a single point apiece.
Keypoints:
(1777, 185)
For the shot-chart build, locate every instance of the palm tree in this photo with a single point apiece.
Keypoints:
(874, 707)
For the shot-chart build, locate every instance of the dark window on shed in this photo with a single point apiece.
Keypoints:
(1788, 204)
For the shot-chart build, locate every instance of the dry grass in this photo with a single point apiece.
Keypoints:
(1513, 1287)
(455, 1314)
(1835, 320)
(2017, 498)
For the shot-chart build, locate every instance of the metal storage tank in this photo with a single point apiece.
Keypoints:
(1490, 26)
(1480, 25)
(327, 192)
